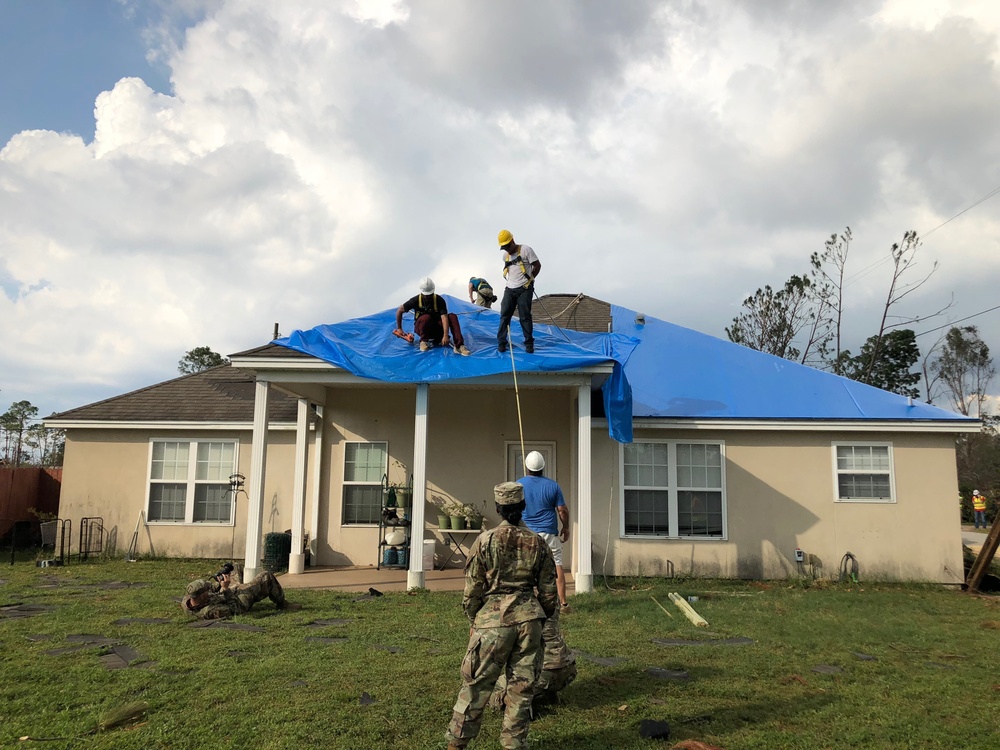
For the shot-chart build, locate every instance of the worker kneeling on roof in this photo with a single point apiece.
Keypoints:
(432, 321)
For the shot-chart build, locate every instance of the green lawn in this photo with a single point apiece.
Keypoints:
(935, 681)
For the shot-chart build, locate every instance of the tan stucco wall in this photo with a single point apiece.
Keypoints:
(780, 495)
(105, 475)
(466, 451)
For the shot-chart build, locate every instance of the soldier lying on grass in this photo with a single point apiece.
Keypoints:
(216, 598)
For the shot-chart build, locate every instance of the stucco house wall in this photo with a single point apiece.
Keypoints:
(780, 490)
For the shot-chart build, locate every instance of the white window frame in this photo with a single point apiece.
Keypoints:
(837, 472)
(672, 492)
(191, 481)
(512, 448)
(344, 483)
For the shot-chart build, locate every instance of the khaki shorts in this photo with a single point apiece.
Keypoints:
(555, 544)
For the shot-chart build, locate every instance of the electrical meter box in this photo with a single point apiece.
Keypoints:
(800, 556)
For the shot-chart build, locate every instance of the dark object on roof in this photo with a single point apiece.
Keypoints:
(219, 394)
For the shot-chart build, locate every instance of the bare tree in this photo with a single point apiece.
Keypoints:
(830, 288)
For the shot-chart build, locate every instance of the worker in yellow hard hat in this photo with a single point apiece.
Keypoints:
(520, 268)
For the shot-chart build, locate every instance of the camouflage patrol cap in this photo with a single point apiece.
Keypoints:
(508, 493)
(197, 586)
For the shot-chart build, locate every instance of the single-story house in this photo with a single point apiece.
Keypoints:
(678, 452)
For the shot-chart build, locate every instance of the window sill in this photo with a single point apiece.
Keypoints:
(865, 501)
(653, 538)
(193, 524)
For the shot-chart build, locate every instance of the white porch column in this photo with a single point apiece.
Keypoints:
(415, 575)
(583, 576)
(317, 476)
(297, 559)
(258, 459)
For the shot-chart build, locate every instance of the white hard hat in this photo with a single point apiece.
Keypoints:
(534, 461)
(975, 492)
(427, 285)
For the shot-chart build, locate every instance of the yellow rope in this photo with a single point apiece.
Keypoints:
(517, 398)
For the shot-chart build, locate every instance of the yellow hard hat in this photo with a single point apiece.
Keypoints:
(505, 237)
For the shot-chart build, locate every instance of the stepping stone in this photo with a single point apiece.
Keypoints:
(328, 623)
(390, 649)
(604, 661)
(325, 641)
(142, 621)
(424, 638)
(37, 638)
(238, 655)
(24, 610)
(66, 650)
(827, 669)
(299, 683)
(119, 658)
(677, 675)
(95, 640)
(864, 657)
(366, 699)
(739, 641)
(226, 625)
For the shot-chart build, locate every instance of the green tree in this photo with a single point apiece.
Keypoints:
(885, 363)
(46, 445)
(198, 359)
(15, 423)
(964, 369)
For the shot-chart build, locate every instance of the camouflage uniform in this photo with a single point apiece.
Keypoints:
(558, 668)
(236, 600)
(505, 566)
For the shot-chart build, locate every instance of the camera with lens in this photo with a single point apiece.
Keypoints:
(224, 571)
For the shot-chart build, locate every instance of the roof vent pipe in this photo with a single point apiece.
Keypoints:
(909, 400)
(640, 319)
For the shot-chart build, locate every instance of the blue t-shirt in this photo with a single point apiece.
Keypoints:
(541, 497)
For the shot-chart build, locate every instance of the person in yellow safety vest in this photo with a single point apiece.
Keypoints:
(979, 508)
(520, 269)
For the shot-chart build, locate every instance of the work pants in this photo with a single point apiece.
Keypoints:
(428, 328)
(515, 651)
(520, 299)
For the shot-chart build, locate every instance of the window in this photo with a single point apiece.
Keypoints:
(182, 490)
(364, 465)
(864, 472)
(673, 489)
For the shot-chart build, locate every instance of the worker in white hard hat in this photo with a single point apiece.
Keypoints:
(432, 321)
(545, 507)
(979, 508)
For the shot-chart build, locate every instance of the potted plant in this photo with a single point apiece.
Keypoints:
(456, 513)
(444, 519)
(473, 517)
(403, 495)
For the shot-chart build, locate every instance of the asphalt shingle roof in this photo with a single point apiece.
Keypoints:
(220, 394)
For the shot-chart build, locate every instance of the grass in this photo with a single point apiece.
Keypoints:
(934, 684)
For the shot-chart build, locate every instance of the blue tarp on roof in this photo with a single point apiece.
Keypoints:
(367, 348)
(677, 372)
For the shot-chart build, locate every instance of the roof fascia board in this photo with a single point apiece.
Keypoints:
(561, 379)
(71, 424)
(260, 363)
(771, 425)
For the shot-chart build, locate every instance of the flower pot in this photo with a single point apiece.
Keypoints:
(457, 523)
(475, 523)
(402, 498)
(443, 521)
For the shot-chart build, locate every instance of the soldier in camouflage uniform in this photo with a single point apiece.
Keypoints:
(216, 599)
(558, 669)
(505, 568)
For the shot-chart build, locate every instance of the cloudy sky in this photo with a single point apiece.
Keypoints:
(188, 173)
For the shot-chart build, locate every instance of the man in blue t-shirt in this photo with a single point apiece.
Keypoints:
(544, 508)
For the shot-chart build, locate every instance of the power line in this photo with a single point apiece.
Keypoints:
(949, 325)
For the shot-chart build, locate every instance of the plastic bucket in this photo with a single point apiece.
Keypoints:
(429, 548)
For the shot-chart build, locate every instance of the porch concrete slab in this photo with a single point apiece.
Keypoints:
(360, 579)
